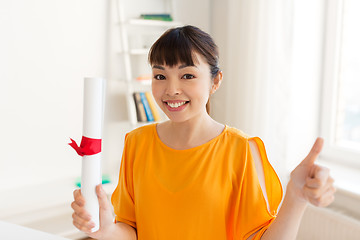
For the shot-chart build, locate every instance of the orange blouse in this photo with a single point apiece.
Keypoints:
(207, 192)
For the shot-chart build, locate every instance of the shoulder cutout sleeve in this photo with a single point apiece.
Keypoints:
(253, 206)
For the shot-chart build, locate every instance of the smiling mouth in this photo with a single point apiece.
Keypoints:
(176, 104)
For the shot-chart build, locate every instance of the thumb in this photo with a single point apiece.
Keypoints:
(105, 210)
(314, 152)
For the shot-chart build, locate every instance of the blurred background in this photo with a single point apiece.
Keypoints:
(291, 73)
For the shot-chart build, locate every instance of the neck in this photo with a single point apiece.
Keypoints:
(191, 132)
(193, 122)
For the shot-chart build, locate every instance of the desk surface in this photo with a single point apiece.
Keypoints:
(9, 231)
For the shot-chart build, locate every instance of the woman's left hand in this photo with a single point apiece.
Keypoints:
(310, 182)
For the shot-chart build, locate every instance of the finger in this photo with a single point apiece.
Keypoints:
(82, 224)
(325, 199)
(317, 192)
(82, 228)
(328, 201)
(76, 193)
(81, 221)
(319, 177)
(322, 173)
(80, 211)
(315, 183)
(78, 197)
(106, 217)
(103, 200)
(314, 152)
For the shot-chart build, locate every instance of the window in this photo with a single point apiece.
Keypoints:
(340, 123)
(348, 109)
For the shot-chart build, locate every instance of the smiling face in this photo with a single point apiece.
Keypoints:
(182, 91)
(185, 65)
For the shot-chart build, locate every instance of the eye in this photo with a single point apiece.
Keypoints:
(159, 77)
(188, 76)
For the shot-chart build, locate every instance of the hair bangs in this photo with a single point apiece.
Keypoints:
(171, 49)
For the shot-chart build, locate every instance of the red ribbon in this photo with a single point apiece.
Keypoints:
(88, 146)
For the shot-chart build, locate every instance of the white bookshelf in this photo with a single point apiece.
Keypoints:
(136, 36)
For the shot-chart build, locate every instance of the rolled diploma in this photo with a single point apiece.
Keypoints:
(92, 128)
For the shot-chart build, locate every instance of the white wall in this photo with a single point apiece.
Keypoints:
(197, 13)
(47, 48)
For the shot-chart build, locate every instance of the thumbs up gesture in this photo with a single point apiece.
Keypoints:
(310, 182)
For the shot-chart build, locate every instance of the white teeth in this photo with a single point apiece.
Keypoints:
(175, 105)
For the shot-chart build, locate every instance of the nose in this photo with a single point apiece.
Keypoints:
(173, 87)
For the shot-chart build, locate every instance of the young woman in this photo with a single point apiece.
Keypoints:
(193, 178)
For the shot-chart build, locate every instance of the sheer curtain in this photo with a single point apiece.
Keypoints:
(255, 48)
(270, 55)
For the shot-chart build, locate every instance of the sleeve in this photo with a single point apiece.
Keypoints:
(123, 197)
(254, 212)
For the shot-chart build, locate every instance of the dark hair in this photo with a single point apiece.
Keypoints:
(178, 45)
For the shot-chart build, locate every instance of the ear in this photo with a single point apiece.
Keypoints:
(217, 82)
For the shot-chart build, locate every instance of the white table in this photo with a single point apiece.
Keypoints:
(9, 231)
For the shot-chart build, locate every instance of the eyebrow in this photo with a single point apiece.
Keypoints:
(180, 67)
(158, 67)
(184, 66)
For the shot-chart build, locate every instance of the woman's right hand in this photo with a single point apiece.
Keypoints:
(82, 219)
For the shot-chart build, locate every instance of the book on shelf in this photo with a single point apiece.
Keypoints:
(149, 116)
(160, 17)
(146, 110)
(152, 105)
(140, 111)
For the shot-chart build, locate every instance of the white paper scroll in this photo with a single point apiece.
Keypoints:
(92, 128)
